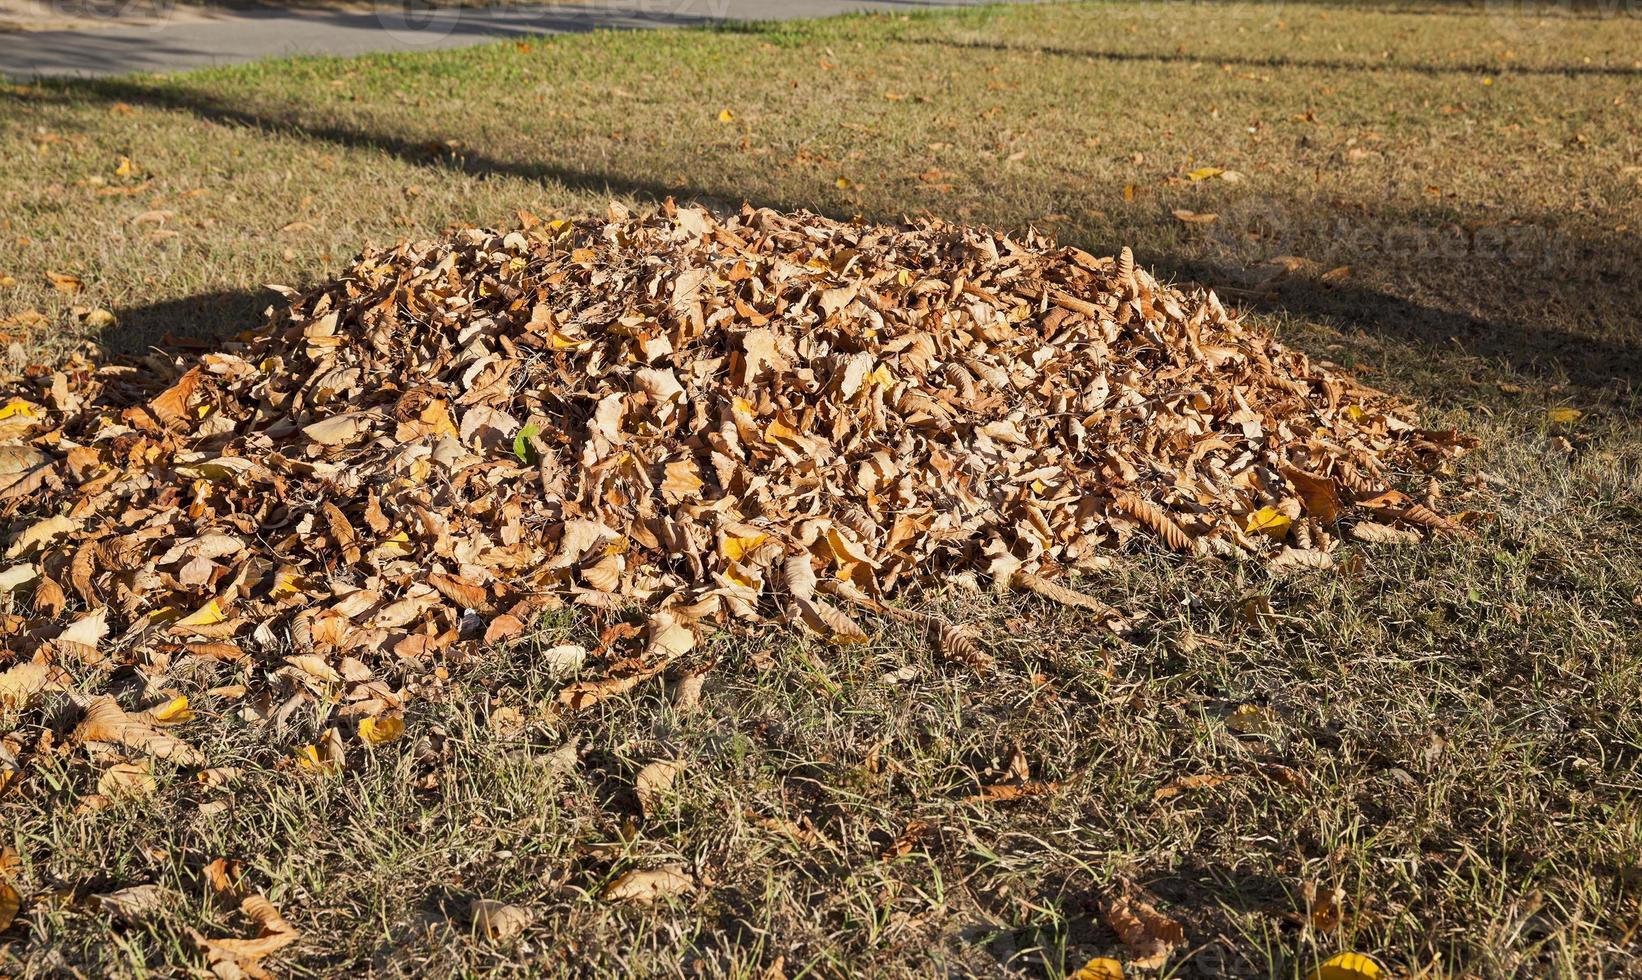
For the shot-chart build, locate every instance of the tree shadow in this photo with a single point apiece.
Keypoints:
(1283, 61)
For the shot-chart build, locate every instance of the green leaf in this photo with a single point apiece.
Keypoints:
(521, 442)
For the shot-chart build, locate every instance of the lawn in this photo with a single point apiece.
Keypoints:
(1447, 199)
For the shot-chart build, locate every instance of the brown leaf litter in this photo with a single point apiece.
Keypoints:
(758, 418)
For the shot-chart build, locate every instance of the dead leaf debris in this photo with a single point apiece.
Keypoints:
(763, 417)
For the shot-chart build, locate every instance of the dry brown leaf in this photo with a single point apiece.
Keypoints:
(11, 903)
(1293, 560)
(137, 904)
(127, 780)
(1186, 783)
(19, 683)
(650, 887)
(714, 418)
(653, 782)
(1055, 592)
(960, 645)
(496, 921)
(687, 693)
(1371, 533)
(1150, 935)
(1155, 518)
(106, 721)
(997, 792)
(273, 932)
(1326, 905)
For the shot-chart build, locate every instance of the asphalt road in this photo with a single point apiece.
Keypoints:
(170, 39)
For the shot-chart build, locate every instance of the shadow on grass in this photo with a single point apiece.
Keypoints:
(1284, 61)
(1573, 270)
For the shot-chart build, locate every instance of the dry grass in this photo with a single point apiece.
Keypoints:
(1457, 728)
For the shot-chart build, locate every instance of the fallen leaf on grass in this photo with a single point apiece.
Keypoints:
(21, 682)
(1564, 415)
(687, 693)
(649, 887)
(173, 712)
(1347, 966)
(1292, 561)
(127, 780)
(1327, 905)
(381, 730)
(11, 903)
(1370, 532)
(88, 630)
(98, 319)
(585, 694)
(1100, 968)
(564, 659)
(914, 834)
(997, 792)
(652, 783)
(64, 282)
(136, 904)
(1150, 935)
(1250, 719)
(1193, 217)
(41, 534)
(273, 933)
(327, 756)
(498, 922)
(1269, 521)
(106, 721)
(1181, 785)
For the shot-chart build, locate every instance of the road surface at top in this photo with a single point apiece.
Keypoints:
(189, 38)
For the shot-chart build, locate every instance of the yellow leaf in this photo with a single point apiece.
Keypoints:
(1268, 520)
(64, 282)
(844, 183)
(779, 431)
(1204, 173)
(735, 548)
(18, 406)
(209, 614)
(1561, 416)
(725, 115)
(124, 169)
(739, 576)
(288, 581)
(173, 712)
(1347, 966)
(308, 757)
(398, 546)
(562, 342)
(1250, 719)
(1100, 968)
(1355, 413)
(380, 731)
(881, 376)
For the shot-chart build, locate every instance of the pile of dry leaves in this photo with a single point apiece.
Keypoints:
(766, 417)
